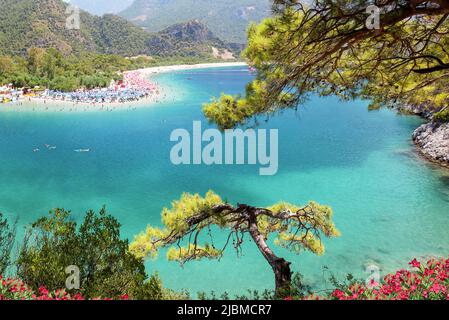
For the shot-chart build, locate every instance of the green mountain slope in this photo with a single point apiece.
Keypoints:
(42, 23)
(228, 19)
(186, 39)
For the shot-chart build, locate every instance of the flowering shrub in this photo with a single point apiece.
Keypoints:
(13, 289)
(426, 281)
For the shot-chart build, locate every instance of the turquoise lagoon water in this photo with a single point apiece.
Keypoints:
(389, 204)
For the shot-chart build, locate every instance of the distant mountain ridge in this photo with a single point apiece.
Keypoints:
(228, 19)
(42, 23)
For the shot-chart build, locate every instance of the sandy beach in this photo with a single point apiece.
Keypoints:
(162, 69)
(52, 105)
(37, 104)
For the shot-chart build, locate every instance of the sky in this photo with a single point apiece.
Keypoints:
(100, 7)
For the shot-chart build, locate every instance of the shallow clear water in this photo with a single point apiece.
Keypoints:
(389, 205)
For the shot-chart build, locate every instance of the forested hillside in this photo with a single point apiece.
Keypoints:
(228, 19)
(42, 23)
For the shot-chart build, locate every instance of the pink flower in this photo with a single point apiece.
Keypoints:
(43, 291)
(338, 294)
(373, 283)
(442, 275)
(415, 263)
(435, 288)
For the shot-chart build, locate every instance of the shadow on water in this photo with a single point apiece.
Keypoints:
(445, 180)
(409, 153)
(444, 188)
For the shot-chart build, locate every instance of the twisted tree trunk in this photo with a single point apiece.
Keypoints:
(281, 267)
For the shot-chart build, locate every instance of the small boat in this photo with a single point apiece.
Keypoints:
(82, 150)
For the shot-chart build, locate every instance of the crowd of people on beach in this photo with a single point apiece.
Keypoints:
(107, 95)
(118, 95)
(9, 94)
(135, 80)
(133, 87)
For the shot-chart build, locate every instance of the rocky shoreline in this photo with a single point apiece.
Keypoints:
(431, 139)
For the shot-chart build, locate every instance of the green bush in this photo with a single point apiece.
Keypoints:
(107, 269)
(442, 116)
(7, 235)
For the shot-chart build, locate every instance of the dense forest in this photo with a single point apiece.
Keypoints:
(49, 68)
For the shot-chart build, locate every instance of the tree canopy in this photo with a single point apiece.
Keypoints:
(106, 267)
(325, 47)
(55, 244)
(7, 236)
(49, 68)
(190, 222)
